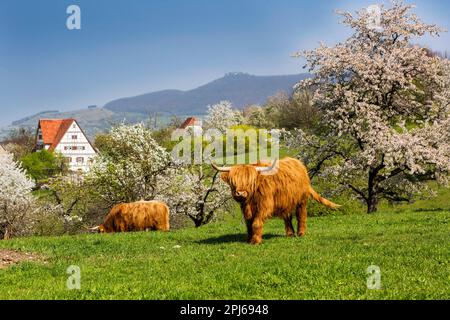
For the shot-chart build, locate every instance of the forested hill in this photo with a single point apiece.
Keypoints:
(239, 88)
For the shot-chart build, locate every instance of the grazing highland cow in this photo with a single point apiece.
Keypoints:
(264, 191)
(136, 216)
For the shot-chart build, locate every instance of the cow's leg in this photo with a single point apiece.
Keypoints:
(288, 226)
(301, 218)
(249, 224)
(248, 217)
(257, 230)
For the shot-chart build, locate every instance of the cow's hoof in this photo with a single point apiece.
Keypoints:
(255, 241)
(290, 235)
(301, 234)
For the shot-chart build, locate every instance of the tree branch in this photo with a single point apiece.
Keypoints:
(359, 192)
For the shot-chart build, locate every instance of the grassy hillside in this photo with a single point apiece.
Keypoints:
(92, 121)
(409, 243)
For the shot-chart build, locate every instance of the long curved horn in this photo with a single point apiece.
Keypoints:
(268, 169)
(220, 169)
(94, 228)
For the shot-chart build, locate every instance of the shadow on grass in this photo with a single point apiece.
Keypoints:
(233, 238)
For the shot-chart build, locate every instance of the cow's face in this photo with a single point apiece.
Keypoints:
(242, 181)
(101, 229)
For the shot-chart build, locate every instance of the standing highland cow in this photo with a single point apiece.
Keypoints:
(136, 216)
(264, 191)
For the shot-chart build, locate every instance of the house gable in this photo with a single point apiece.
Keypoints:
(191, 122)
(51, 131)
(73, 140)
(67, 138)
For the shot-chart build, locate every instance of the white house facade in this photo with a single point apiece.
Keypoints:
(66, 137)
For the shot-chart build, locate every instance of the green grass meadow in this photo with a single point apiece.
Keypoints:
(410, 244)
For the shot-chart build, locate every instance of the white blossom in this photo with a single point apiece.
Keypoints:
(221, 117)
(193, 194)
(130, 170)
(137, 168)
(386, 105)
(15, 195)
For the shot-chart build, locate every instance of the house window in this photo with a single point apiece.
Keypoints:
(83, 148)
(74, 137)
(74, 148)
(40, 137)
(80, 160)
(68, 160)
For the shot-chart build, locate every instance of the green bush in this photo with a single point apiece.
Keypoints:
(43, 164)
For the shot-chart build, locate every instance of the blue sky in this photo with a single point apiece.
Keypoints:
(126, 48)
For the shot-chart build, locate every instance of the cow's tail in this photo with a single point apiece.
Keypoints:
(321, 200)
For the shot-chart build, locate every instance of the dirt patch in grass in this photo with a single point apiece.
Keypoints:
(10, 257)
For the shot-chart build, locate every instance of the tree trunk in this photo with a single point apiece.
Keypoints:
(372, 204)
(201, 220)
(198, 219)
(372, 196)
(7, 234)
(198, 223)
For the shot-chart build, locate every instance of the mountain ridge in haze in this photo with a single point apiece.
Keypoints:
(240, 89)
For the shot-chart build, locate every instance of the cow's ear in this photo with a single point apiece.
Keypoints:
(225, 177)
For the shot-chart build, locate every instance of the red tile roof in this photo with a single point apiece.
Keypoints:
(53, 130)
(192, 121)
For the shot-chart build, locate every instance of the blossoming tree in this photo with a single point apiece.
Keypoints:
(133, 167)
(221, 117)
(129, 167)
(386, 108)
(197, 195)
(15, 196)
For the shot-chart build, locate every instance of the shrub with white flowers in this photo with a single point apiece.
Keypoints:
(222, 116)
(129, 169)
(386, 108)
(15, 197)
(135, 167)
(194, 194)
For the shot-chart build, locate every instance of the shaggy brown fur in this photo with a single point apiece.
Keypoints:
(277, 193)
(137, 216)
